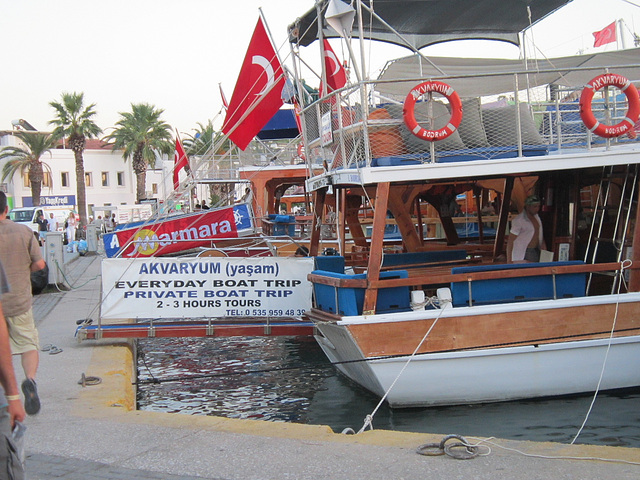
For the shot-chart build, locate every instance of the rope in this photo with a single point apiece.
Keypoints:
(552, 457)
(623, 266)
(368, 421)
(472, 450)
(468, 451)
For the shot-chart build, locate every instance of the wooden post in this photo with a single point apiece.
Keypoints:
(377, 241)
(476, 195)
(504, 217)
(316, 225)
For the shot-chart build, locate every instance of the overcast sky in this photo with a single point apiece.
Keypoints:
(173, 54)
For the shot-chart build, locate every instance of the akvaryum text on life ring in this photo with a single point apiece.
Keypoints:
(631, 117)
(410, 116)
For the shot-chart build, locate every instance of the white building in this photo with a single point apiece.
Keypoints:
(109, 180)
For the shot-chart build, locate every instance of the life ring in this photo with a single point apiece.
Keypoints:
(409, 115)
(633, 112)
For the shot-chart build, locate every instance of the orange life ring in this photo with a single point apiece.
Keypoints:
(633, 112)
(409, 115)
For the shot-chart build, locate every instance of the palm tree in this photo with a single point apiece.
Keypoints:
(74, 121)
(141, 134)
(27, 159)
(201, 143)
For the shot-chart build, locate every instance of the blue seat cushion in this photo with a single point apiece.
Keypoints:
(504, 290)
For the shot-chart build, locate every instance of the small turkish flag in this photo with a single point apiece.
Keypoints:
(180, 161)
(604, 36)
(336, 75)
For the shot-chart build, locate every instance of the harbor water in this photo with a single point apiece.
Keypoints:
(288, 379)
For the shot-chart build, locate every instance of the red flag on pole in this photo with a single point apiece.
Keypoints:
(257, 95)
(180, 161)
(224, 98)
(336, 74)
(604, 36)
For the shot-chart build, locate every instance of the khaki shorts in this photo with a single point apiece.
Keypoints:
(23, 335)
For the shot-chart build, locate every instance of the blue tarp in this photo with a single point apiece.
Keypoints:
(281, 125)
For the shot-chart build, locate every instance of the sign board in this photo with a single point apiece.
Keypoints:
(326, 134)
(205, 287)
(176, 234)
(51, 201)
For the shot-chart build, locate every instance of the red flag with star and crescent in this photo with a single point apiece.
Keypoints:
(258, 92)
(336, 74)
(604, 36)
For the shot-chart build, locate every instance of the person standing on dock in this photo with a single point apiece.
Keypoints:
(53, 223)
(20, 254)
(525, 238)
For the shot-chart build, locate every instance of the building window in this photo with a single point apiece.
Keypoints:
(88, 182)
(46, 180)
(105, 179)
(64, 179)
(154, 188)
(120, 179)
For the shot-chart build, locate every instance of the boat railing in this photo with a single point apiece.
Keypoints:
(470, 285)
(530, 119)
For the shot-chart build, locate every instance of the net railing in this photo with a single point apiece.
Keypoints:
(519, 123)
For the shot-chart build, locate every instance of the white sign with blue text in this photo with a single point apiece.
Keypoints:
(205, 287)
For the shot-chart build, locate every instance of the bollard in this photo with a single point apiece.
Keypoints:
(92, 238)
(54, 256)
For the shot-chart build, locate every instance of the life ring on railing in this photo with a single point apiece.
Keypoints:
(409, 115)
(633, 112)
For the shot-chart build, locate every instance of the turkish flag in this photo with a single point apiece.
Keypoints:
(604, 36)
(257, 96)
(180, 161)
(336, 74)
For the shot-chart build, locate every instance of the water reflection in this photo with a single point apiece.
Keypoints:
(304, 390)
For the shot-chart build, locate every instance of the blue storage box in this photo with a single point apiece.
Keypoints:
(283, 224)
(329, 263)
(349, 301)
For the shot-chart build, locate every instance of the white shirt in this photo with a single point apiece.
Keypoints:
(524, 230)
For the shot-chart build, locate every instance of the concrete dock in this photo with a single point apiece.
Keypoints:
(94, 432)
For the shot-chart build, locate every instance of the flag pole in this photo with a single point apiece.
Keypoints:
(273, 44)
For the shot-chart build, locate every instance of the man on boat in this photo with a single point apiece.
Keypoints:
(525, 238)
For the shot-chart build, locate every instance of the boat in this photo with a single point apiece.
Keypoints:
(442, 318)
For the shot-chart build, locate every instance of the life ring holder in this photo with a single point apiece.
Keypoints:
(631, 117)
(409, 115)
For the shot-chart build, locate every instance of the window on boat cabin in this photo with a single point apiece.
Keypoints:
(154, 188)
(120, 176)
(88, 179)
(104, 176)
(64, 179)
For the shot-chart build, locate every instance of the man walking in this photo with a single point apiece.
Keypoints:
(20, 255)
(43, 226)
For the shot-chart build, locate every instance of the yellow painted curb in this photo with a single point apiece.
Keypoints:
(115, 397)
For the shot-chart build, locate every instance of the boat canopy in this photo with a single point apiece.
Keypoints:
(483, 76)
(426, 22)
(282, 125)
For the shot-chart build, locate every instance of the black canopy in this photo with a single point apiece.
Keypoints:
(425, 22)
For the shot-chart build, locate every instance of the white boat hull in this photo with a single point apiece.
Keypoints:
(487, 375)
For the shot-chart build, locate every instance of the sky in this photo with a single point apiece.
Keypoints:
(174, 54)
